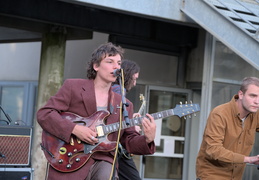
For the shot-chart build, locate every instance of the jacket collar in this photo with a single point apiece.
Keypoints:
(88, 95)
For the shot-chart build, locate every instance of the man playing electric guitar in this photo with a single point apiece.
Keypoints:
(74, 136)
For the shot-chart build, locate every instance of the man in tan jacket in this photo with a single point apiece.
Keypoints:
(229, 136)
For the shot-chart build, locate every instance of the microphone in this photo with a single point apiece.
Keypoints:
(117, 72)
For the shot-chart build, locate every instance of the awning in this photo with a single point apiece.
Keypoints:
(233, 22)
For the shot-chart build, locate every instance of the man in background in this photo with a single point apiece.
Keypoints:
(229, 136)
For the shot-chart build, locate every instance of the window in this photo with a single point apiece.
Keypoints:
(17, 99)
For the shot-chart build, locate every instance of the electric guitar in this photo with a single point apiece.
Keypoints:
(69, 157)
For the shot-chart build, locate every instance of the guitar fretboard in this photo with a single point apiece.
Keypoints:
(179, 110)
(136, 121)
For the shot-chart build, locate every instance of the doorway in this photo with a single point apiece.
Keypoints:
(172, 135)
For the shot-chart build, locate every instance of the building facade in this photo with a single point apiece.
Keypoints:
(186, 56)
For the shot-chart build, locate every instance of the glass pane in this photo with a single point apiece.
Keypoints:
(179, 147)
(163, 71)
(167, 162)
(12, 103)
(223, 93)
(163, 100)
(163, 167)
(228, 65)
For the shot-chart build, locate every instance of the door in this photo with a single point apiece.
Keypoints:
(172, 134)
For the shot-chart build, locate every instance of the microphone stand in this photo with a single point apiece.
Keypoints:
(124, 110)
(8, 121)
(6, 115)
(124, 103)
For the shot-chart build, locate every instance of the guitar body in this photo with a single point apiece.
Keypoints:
(68, 157)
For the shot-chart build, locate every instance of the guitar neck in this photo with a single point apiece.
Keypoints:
(141, 109)
(136, 121)
(179, 110)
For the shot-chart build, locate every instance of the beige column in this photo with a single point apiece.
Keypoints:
(50, 79)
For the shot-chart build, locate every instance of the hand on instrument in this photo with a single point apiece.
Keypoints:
(136, 115)
(149, 128)
(85, 134)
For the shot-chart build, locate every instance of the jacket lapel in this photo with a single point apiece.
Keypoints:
(88, 96)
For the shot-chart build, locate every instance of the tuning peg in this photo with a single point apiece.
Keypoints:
(191, 103)
(186, 103)
(190, 116)
(181, 104)
(194, 115)
(185, 117)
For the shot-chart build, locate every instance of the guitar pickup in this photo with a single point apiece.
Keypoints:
(72, 143)
(99, 130)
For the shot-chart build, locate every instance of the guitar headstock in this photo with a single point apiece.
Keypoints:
(183, 110)
(142, 107)
(141, 97)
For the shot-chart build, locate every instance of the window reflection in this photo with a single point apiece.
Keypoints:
(12, 103)
(18, 100)
(167, 162)
(229, 68)
(163, 167)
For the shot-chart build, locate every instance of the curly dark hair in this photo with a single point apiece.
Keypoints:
(129, 69)
(103, 51)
